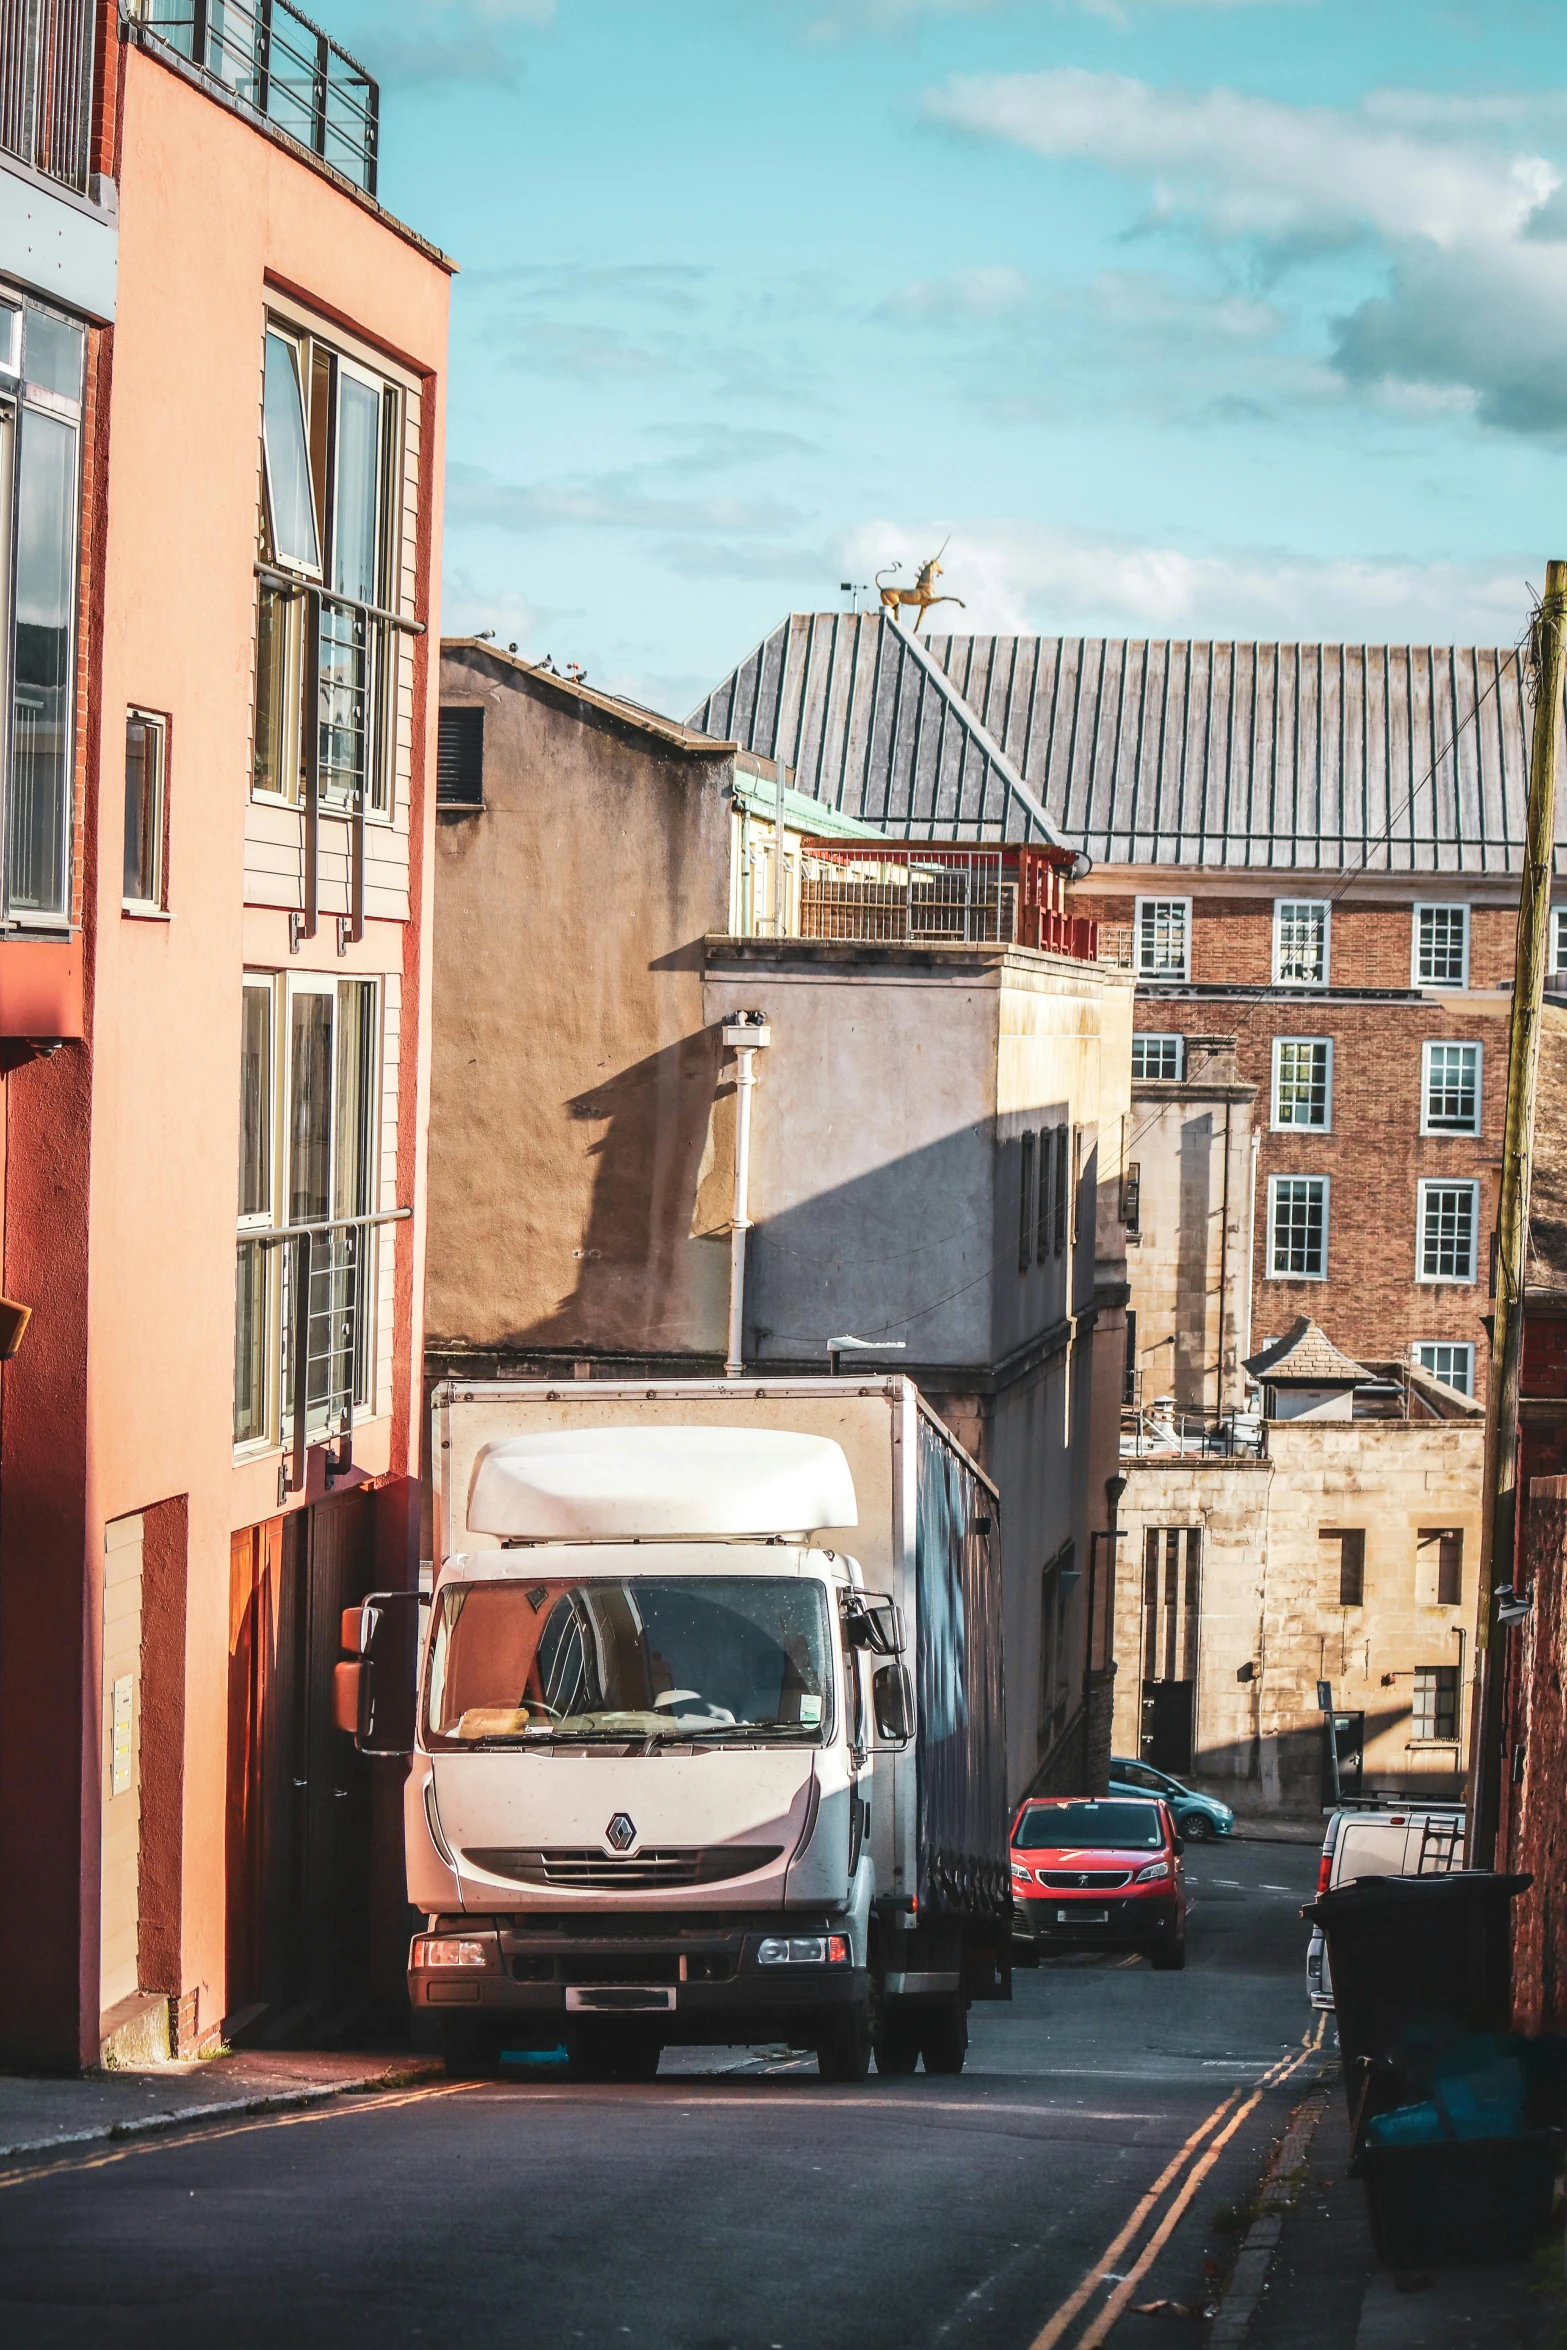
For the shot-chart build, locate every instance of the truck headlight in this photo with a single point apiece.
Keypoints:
(1155, 1868)
(803, 1950)
(442, 1951)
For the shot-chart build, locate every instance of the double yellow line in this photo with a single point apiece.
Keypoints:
(1185, 2171)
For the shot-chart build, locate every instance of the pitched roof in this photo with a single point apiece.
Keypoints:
(1398, 758)
(1307, 1357)
(697, 742)
(870, 722)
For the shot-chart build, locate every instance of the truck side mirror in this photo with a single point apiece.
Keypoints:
(892, 1695)
(375, 1695)
(875, 1624)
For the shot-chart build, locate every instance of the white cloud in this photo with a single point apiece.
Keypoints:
(969, 293)
(1470, 217)
(1021, 578)
(1252, 167)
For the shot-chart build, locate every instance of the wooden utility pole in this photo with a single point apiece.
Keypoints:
(1498, 1557)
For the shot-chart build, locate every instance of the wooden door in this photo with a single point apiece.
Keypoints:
(298, 1794)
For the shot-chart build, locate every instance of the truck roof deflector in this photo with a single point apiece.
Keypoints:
(610, 1484)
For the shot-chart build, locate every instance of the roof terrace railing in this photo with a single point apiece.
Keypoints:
(274, 60)
(1008, 895)
(46, 60)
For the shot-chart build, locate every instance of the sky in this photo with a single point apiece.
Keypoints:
(1171, 317)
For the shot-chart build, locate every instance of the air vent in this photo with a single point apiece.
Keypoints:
(459, 759)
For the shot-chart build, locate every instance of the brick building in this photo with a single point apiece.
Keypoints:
(1312, 849)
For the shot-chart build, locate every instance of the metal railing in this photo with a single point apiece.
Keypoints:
(46, 71)
(329, 1274)
(1002, 896)
(349, 681)
(274, 60)
(1115, 945)
(1213, 1435)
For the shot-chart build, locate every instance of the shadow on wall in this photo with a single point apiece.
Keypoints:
(927, 1246)
(649, 1273)
(1287, 1764)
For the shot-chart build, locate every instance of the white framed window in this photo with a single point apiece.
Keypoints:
(1298, 1227)
(1434, 1712)
(310, 1070)
(331, 440)
(1300, 941)
(1559, 938)
(1303, 1082)
(1441, 947)
(40, 497)
(1449, 1219)
(1162, 1058)
(1164, 927)
(146, 755)
(1450, 1360)
(1450, 1088)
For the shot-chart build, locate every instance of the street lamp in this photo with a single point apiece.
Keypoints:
(880, 1346)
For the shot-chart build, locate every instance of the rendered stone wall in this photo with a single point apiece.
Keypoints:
(1271, 1622)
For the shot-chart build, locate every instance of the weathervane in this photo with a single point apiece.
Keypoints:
(923, 593)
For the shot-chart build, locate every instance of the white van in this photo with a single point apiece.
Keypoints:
(1423, 1841)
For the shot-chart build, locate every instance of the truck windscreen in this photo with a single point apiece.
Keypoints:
(709, 1657)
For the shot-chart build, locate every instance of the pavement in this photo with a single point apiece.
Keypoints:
(37, 2115)
(1308, 2275)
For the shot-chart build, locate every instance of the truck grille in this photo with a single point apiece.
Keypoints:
(591, 1871)
(1084, 1880)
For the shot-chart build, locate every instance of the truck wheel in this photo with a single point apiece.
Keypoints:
(898, 2045)
(470, 2050)
(844, 2053)
(944, 2038)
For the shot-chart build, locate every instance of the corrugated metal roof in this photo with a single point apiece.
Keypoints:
(1402, 759)
(869, 722)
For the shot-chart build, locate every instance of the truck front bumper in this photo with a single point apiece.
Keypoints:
(701, 1984)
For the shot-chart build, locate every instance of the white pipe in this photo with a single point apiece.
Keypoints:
(744, 1041)
(778, 860)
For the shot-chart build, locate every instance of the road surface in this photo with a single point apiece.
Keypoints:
(1108, 2118)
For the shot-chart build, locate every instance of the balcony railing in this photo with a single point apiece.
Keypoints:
(347, 668)
(322, 1319)
(46, 62)
(1161, 1429)
(275, 61)
(1008, 895)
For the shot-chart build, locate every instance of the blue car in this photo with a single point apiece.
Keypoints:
(1197, 1817)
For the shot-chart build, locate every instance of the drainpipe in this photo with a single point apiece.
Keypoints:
(1251, 1244)
(745, 1034)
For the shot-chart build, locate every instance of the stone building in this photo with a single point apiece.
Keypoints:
(1343, 1548)
(934, 1155)
(1313, 849)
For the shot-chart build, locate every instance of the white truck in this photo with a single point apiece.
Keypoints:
(683, 1768)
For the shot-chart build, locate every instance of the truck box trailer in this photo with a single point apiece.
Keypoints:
(707, 1736)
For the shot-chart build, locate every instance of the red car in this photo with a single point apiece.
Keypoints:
(1098, 1873)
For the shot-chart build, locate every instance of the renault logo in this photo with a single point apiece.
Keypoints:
(621, 1833)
